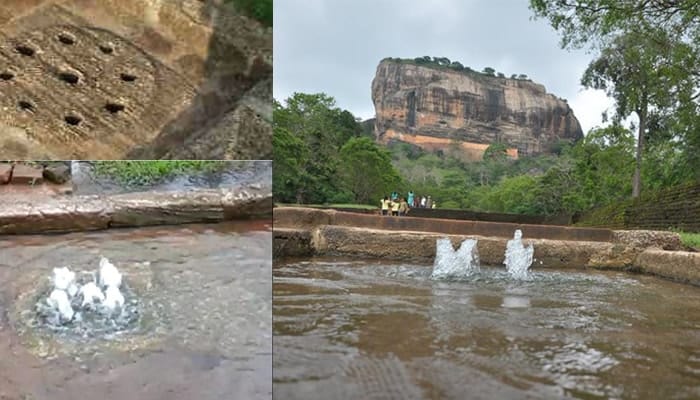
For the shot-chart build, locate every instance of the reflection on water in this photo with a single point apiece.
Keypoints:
(359, 330)
(204, 332)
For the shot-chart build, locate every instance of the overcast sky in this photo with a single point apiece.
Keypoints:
(334, 46)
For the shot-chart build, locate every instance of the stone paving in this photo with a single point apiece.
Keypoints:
(19, 179)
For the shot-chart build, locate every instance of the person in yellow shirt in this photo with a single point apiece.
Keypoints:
(395, 208)
(385, 203)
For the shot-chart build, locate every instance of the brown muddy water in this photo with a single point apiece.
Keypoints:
(376, 330)
(204, 330)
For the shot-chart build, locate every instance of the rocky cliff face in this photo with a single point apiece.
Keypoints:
(435, 107)
(112, 79)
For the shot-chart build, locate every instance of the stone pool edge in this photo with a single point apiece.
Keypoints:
(301, 232)
(95, 212)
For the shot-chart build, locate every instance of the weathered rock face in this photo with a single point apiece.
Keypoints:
(435, 108)
(86, 79)
(67, 214)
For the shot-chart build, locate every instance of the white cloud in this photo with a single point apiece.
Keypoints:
(588, 106)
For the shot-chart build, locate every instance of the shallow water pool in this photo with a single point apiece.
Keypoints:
(377, 330)
(204, 332)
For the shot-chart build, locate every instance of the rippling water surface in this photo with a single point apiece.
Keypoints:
(377, 330)
(205, 332)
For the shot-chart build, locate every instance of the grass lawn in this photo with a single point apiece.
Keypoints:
(690, 239)
(148, 172)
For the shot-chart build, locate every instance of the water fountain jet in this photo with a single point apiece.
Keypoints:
(518, 258)
(455, 264)
(91, 293)
(95, 296)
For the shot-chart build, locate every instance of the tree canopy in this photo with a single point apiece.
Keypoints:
(321, 155)
(647, 58)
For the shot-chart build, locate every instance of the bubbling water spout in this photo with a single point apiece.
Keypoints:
(70, 298)
(518, 257)
(451, 264)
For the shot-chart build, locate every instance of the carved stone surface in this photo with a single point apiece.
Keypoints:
(84, 79)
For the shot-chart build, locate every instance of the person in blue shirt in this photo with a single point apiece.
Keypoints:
(410, 198)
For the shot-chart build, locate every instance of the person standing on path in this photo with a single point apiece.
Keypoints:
(395, 208)
(385, 205)
(403, 207)
(410, 198)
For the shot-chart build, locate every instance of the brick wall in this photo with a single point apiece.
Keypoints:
(675, 208)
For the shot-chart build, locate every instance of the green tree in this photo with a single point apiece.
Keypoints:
(591, 23)
(496, 151)
(489, 71)
(443, 61)
(258, 9)
(647, 60)
(602, 163)
(633, 70)
(366, 170)
(310, 131)
(291, 156)
(456, 65)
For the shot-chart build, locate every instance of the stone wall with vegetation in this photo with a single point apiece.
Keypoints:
(675, 208)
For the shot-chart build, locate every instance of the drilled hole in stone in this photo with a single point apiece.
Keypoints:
(73, 120)
(66, 38)
(25, 105)
(25, 50)
(69, 77)
(107, 49)
(114, 107)
(6, 76)
(128, 77)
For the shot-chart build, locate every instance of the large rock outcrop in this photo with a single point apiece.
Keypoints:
(436, 107)
(111, 79)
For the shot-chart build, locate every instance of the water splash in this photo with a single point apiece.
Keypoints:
(518, 257)
(455, 264)
(86, 305)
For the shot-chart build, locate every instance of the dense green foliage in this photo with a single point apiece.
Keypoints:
(648, 60)
(445, 63)
(690, 239)
(365, 170)
(321, 155)
(258, 9)
(324, 155)
(148, 172)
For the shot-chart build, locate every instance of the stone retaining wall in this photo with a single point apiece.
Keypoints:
(79, 213)
(302, 232)
(298, 216)
(492, 217)
(420, 247)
